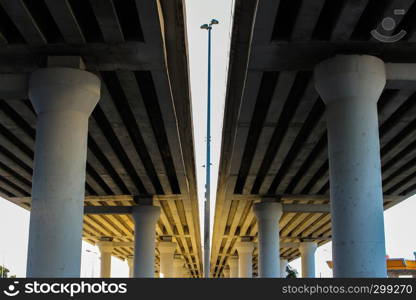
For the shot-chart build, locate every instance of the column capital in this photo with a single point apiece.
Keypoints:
(350, 76)
(146, 214)
(105, 246)
(268, 211)
(166, 247)
(306, 247)
(244, 247)
(62, 89)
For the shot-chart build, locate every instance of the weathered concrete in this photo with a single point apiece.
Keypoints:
(178, 269)
(130, 260)
(233, 264)
(245, 259)
(268, 215)
(350, 87)
(106, 247)
(227, 272)
(283, 266)
(145, 218)
(166, 253)
(63, 99)
(307, 254)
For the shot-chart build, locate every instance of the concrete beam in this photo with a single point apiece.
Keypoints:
(96, 199)
(117, 210)
(14, 86)
(283, 198)
(401, 71)
(307, 208)
(107, 210)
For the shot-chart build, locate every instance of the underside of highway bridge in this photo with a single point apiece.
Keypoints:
(139, 140)
(284, 109)
(96, 134)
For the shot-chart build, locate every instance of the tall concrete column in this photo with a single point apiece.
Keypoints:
(283, 266)
(145, 218)
(350, 86)
(268, 215)
(130, 260)
(245, 259)
(307, 254)
(63, 99)
(233, 264)
(166, 253)
(106, 247)
(178, 266)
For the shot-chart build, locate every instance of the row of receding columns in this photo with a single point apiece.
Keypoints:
(350, 86)
(171, 265)
(64, 97)
(240, 265)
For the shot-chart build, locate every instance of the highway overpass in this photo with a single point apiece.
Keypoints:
(58, 59)
(303, 131)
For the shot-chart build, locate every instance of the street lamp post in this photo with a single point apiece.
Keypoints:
(208, 27)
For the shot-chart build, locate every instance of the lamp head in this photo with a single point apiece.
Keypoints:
(214, 22)
(205, 26)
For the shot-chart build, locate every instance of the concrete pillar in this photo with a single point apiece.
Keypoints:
(178, 266)
(233, 264)
(106, 247)
(185, 271)
(268, 215)
(226, 272)
(130, 260)
(145, 218)
(283, 266)
(166, 253)
(245, 259)
(307, 254)
(350, 86)
(63, 99)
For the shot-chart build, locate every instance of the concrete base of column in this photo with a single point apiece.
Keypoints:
(245, 259)
(130, 260)
(268, 215)
(106, 247)
(307, 252)
(233, 264)
(145, 218)
(166, 253)
(283, 266)
(178, 266)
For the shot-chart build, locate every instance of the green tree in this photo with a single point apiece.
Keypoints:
(3, 272)
(291, 273)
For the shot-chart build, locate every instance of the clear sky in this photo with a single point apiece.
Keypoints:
(400, 220)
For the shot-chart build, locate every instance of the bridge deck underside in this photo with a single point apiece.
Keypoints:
(274, 135)
(140, 138)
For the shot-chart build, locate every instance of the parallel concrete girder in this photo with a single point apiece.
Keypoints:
(15, 85)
